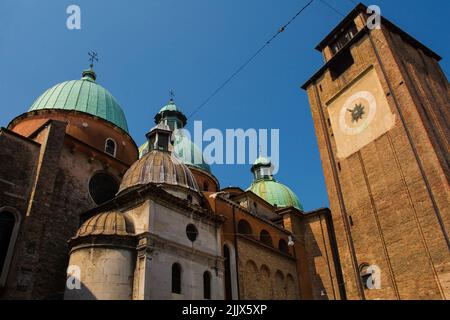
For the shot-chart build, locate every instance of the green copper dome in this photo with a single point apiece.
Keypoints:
(171, 106)
(184, 149)
(267, 188)
(83, 95)
(262, 161)
(276, 194)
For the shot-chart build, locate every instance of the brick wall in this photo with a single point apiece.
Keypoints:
(59, 195)
(395, 189)
(265, 274)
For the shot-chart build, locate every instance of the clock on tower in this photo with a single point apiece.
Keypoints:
(359, 113)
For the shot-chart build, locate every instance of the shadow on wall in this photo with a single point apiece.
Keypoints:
(319, 264)
(76, 290)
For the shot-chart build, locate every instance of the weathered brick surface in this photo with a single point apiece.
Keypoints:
(320, 256)
(265, 275)
(263, 272)
(59, 178)
(53, 181)
(396, 188)
(16, 185)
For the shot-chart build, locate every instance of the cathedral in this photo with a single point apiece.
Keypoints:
(86, 214)
(144, 223)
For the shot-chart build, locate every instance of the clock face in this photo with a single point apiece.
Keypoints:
(357, 113)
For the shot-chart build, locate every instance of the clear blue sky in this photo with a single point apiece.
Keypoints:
(147, 47)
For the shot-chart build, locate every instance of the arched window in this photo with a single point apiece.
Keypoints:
(364, 273)
(9, 227)
(265, 283)
(110, 147)
(265, 238)
(176, 278)
(207, 285)
(291, 288)
(244, 228)
(191, 232)
(279, 286)
(7, 222)
(283, 246)
(251, 282)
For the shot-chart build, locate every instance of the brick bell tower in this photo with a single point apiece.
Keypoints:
(380, 106)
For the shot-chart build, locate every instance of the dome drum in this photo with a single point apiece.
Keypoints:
(172, 114)
(92, 114)
(90, 130)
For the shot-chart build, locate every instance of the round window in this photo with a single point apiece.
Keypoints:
(102, 187)
(191, 232)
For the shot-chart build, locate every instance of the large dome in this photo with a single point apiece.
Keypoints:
(159, 167)
(83, 95)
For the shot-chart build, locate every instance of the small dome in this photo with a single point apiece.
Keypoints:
(172, 115)
(262, 161)
(189, 153)
(159, 167)
(275, 193)
(184, 150)
(266, 187)
(83, 95)
(171, 106)
(106, 223)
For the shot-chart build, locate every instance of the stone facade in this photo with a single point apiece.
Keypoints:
(137, 264)
(106, 274)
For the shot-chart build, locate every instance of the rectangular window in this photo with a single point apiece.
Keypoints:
(341, 64)
(343, 38)
(163, 142)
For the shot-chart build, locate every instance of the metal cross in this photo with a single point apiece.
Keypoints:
(93, 57)
(172, 95)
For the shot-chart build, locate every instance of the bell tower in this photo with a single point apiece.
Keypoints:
(380, 105)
